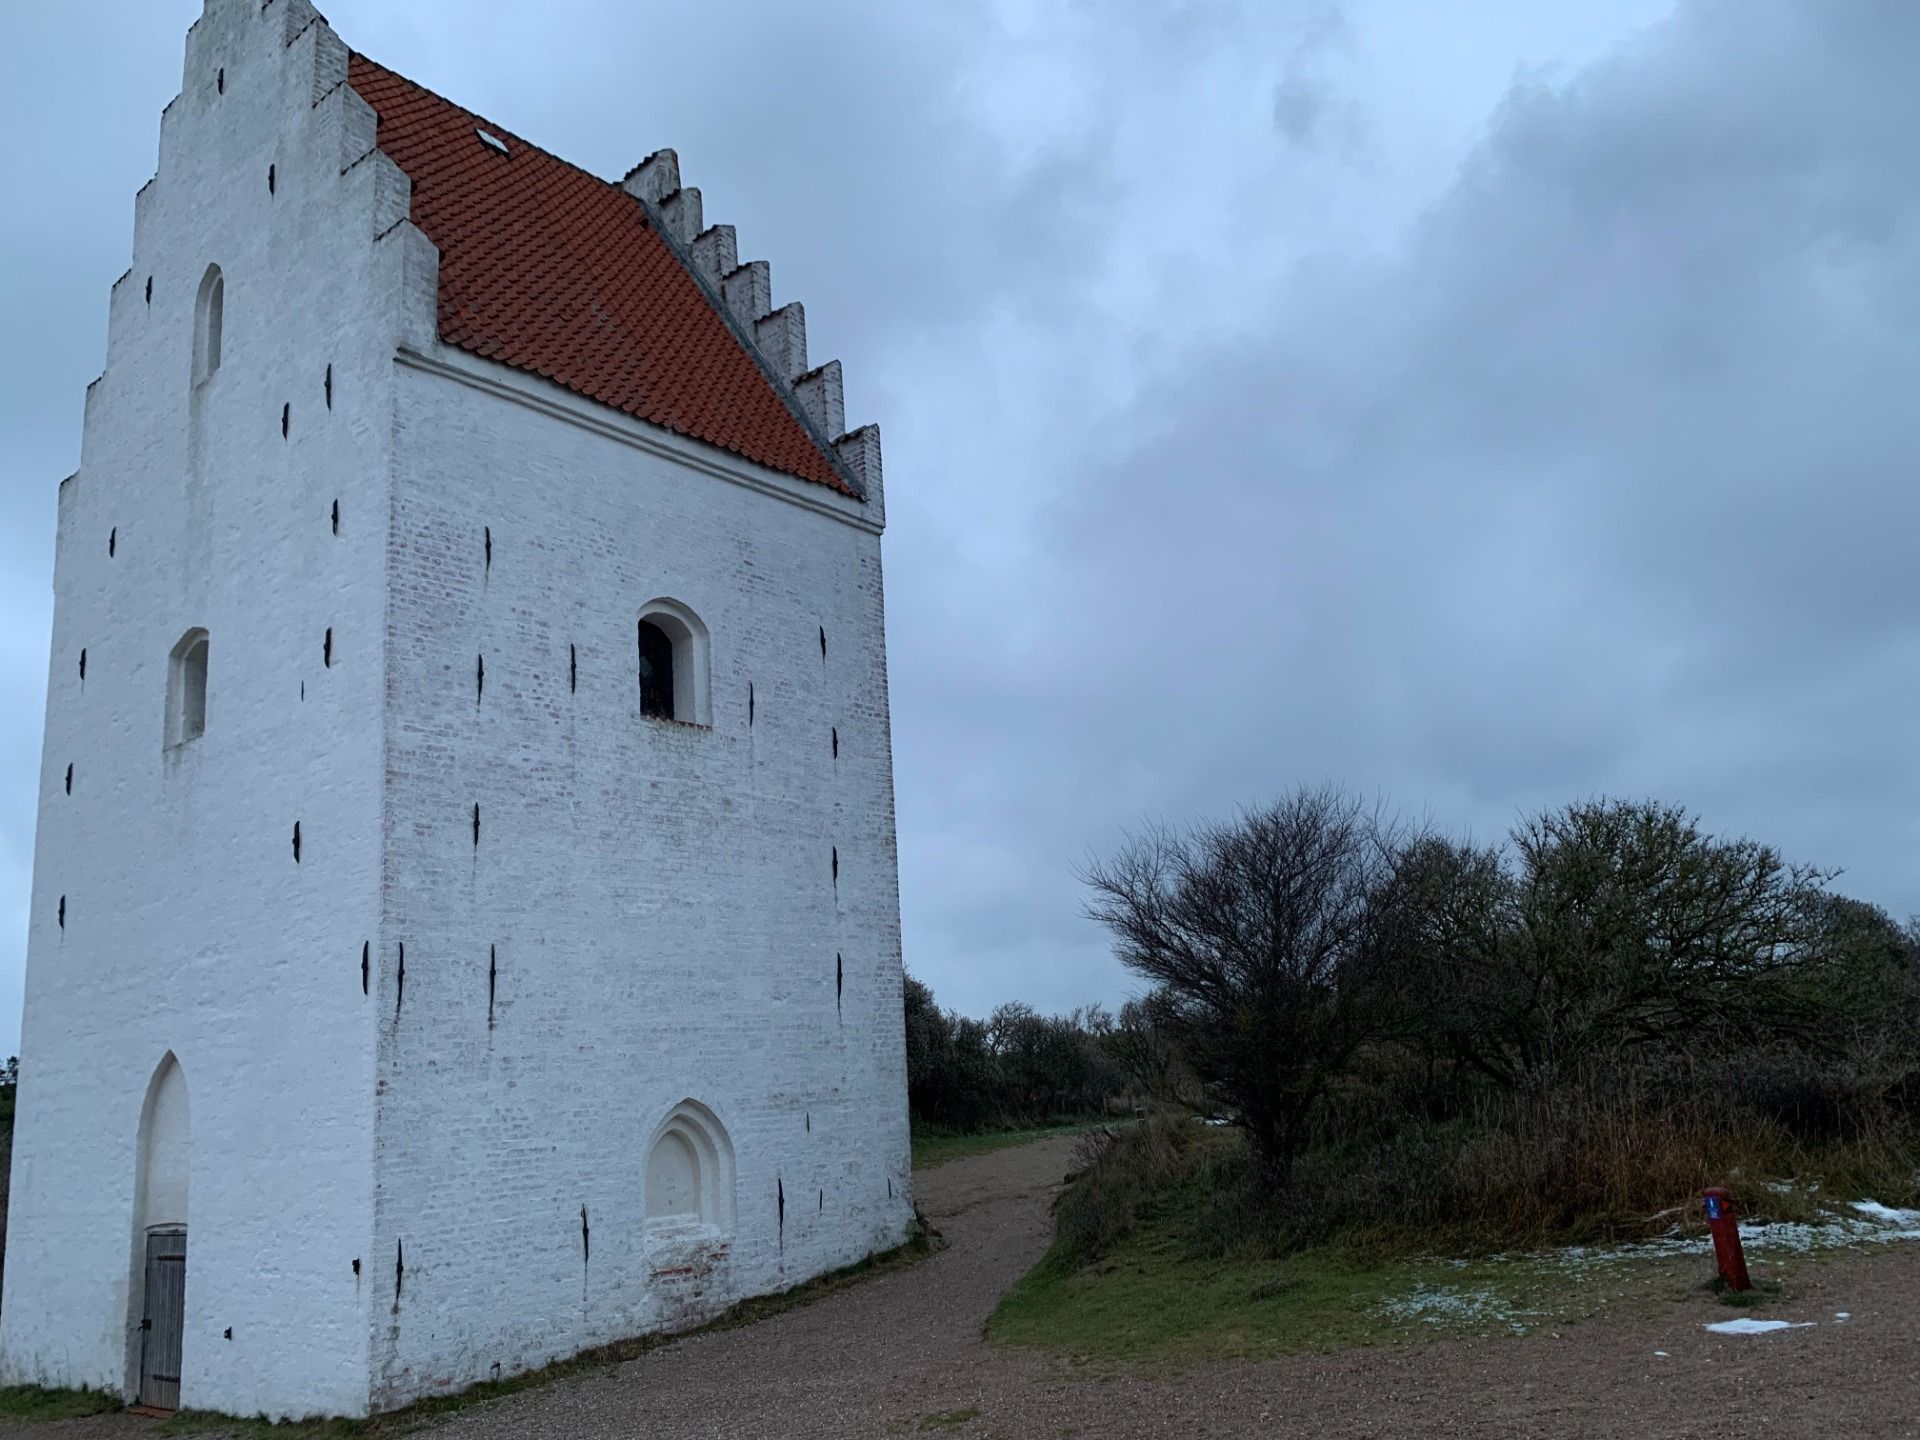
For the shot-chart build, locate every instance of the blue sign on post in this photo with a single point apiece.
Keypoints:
(1713, 1207)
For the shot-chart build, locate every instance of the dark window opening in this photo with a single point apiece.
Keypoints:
(656, 672)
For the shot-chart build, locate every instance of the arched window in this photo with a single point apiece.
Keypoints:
(187, 689)
(207, 317)
(673, 664)
(689, 1177)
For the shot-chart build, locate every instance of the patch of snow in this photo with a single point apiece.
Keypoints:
(1871, 1223)
(1446, 1305)
(1907, 1221)
(1661, 1355)
(1746, 1325)
(1842, 1315)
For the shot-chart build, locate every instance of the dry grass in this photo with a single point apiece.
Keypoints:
(1168, 1248)
(1577, 1165)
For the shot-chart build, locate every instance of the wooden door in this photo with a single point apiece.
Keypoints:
(164, 1324)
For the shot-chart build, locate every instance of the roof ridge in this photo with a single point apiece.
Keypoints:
(492, 126)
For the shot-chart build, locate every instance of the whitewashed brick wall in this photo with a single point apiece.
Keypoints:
(188, 926)
(659, 898)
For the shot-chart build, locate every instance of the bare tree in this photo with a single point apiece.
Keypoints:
(1262, 938)
(1143, 1050)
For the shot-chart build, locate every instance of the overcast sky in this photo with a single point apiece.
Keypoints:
(1483, 405)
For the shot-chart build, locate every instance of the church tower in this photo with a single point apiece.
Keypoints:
(465, 925)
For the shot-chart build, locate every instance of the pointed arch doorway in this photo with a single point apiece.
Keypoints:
(160, 1238)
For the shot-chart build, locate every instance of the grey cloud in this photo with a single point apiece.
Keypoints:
(1605, 482)
(1299, 103)
(1308, 109)
(1597, 476)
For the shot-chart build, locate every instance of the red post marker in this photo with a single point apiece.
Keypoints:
(1726, 1238)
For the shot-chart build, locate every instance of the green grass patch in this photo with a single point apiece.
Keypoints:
(1764, 1292)
(1149, 1299)
(36, 1402)
(932, 1148)
(1155, 1260)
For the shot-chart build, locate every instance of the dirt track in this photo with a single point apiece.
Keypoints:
(887, 1357)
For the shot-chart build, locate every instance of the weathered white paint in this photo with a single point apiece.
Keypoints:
(657, 900)
(443, 1177)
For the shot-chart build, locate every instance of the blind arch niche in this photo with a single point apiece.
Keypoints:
(689, 1171)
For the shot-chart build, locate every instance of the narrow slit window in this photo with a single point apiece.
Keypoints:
(209, 318)
(187, 689)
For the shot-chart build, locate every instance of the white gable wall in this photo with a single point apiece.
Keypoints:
(657, 901)
(188, 926)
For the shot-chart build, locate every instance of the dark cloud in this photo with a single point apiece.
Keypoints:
(1307, 109)
(1578, 458)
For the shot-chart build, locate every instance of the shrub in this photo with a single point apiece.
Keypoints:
(1118, 1174)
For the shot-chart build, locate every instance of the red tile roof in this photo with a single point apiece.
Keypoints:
(549, 269)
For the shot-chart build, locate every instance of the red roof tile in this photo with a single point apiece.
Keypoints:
(549, 269)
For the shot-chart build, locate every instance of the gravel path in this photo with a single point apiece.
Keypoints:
(902, 1355)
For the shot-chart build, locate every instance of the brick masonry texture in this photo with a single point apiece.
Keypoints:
(656, 902)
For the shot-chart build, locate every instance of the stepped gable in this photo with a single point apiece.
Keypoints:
(549, 269)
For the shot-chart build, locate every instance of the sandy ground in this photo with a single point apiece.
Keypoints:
(899, 1354)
